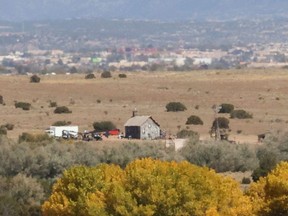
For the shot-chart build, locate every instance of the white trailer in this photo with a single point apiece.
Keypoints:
(63, 131)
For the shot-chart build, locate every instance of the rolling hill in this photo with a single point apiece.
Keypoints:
(18, 10)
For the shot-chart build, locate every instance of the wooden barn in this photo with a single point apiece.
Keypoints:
(142, 127)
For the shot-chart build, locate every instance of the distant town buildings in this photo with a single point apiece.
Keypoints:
(153, 47)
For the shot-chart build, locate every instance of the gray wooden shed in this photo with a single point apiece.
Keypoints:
(142, 127)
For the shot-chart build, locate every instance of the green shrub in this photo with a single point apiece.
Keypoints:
(26, 137)
(223, 123)
(175, 107)
(221, 156)
(3, 130)
(273, 150)
(34, 79)
(103, 126)
(8, 126)
(48, 159)
(258, 173)
(53, 104)
(127, 152)
(90, 76)
(23, 105)
(268, 159)
(1, 99)
(226, 108)
(187, 133)
(106, 74)
(246, 180)
(62, 109)
(122, 76)
(61, 123)
(33, 138)
(240, 114)
(9, 205)
(195, 120)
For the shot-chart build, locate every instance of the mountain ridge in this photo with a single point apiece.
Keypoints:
(19, 10)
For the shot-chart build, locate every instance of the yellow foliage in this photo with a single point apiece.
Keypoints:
(58, 204)
(184, 189)
(146, 187)
(269, 195)
(78, 184)
(212, 212)
(96, 204)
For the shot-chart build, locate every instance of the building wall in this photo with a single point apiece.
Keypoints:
(150, 130)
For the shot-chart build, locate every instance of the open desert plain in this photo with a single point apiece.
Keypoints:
(261, 92)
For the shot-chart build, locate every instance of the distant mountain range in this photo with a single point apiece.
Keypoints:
(164, 10)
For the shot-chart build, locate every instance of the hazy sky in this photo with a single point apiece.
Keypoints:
(140, 9)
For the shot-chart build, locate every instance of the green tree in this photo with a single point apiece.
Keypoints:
(122, 76)
(104, 126)
(175, 107)
(226, 108)
(195, 120)
(220, 122)
(267, 161)
(220, 126)
(106, 74)
(62, 109)
(23, 105)
(90, 76)
(35, 79)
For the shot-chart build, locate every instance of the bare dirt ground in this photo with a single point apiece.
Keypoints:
(260, 92)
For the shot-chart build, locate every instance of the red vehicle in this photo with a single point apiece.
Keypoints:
(114, 132)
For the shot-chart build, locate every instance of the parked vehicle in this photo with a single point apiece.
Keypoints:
(114, 132)
(65, 132)
(69, 134)
(97, 136)
(89, 136)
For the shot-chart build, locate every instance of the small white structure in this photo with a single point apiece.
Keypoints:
(176, 143)
(63, 131)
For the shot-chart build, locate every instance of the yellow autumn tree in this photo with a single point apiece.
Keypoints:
(170, 188)
(146, 187)
(85, 191)
(269, 195)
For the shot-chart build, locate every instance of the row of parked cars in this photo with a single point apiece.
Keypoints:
(72, 132)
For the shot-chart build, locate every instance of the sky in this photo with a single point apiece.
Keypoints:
(164, 10)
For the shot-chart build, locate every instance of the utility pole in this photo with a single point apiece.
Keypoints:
(216, 110)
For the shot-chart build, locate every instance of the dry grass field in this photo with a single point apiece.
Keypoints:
(260, 92)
